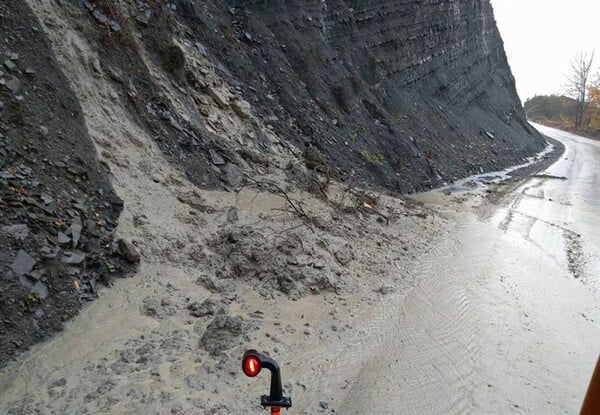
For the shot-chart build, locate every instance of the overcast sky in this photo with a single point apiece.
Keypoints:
(542, 36)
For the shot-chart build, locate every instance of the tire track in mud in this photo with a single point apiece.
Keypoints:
(423, 342)
(573, 250)
(473, 334)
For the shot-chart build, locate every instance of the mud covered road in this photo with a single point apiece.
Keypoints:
(504, 316)
(478, 301)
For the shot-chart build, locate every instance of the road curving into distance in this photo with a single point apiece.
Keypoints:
(504, 316)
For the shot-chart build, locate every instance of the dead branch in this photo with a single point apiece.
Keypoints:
(294, 205)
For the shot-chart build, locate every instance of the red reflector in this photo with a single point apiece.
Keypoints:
(251, 366)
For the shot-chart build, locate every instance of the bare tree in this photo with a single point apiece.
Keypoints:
(577, 85)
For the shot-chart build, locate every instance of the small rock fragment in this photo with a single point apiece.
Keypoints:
(232, 214)
(75, 229)
(20, 231)
(233, 176)
(73, 257)
(129, 251)
(10, 65)
(14, 85)
(208, 307)
(115, 26)
(63, 239)
(49, 253)
(271, 119)
(58, 383)
(23, 263)
(175, 124)
(47, 199)
(241, 107)
(100, 17)
(216, 158)
(40, 289)
(344, 255)
(37, 274)
(385, 290)
(222, 334)
(221, 100)
(144, 18)
(201, 48)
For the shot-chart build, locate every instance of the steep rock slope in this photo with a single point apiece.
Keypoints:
(409, 94)
(58, 210)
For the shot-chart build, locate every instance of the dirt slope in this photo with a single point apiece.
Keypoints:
(406, 95)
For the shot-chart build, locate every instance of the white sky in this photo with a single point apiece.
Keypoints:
(542, 36)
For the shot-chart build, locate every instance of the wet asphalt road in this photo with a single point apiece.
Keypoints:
(504, 316)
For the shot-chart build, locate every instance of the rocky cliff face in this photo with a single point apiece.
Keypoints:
(408, 94)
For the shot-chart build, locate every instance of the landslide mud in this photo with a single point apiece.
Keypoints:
(465, 312)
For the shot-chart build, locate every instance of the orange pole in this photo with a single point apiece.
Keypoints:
(591, 404)
(275, 410)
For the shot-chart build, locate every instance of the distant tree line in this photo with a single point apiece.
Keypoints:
(578, 109)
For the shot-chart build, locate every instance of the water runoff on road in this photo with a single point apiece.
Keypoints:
(504, 315)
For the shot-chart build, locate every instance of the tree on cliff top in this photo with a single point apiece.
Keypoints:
(577, 86)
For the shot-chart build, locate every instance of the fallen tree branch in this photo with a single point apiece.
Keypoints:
(295, 205)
